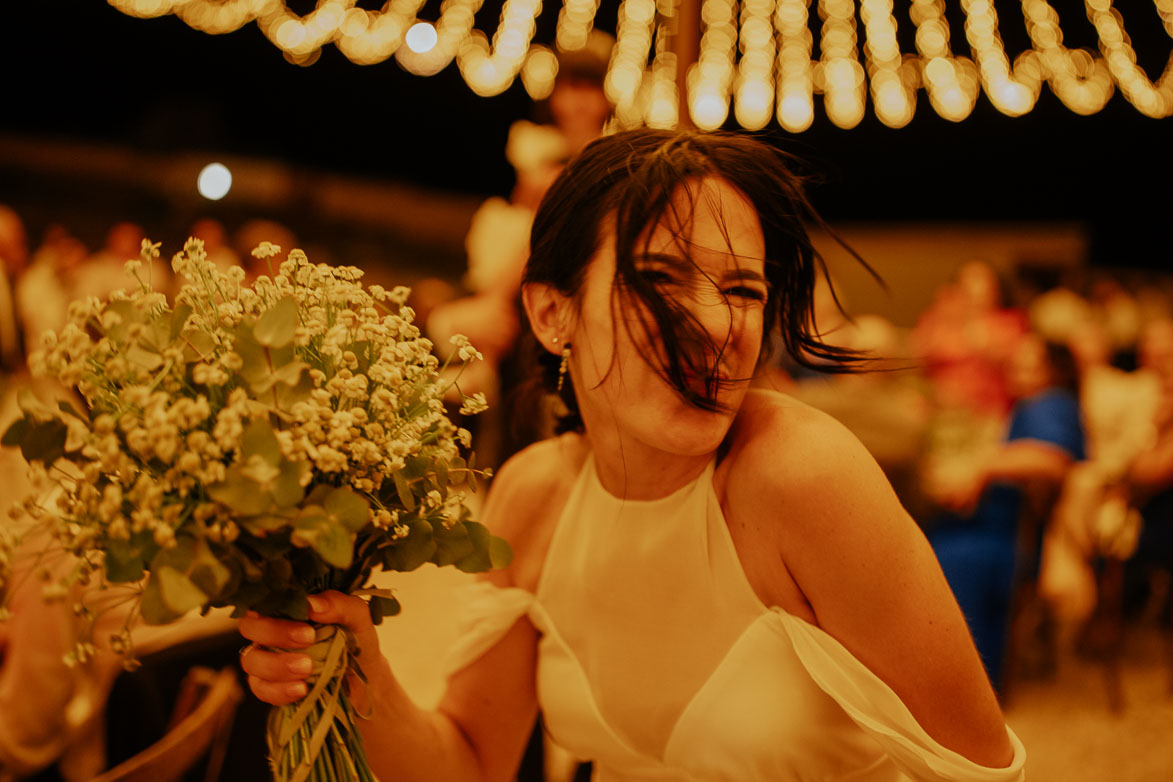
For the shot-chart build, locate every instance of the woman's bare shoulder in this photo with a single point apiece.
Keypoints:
(526, 497)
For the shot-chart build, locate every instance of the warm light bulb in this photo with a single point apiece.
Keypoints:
(214, 181)
(421, 37)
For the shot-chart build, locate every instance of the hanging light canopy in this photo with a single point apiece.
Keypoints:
(752, 56)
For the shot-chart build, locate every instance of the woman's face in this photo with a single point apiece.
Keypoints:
(707, 256)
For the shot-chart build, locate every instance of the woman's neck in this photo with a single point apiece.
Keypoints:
(637, 471)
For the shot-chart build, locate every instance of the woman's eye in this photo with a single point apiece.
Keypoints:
(655, 276)
(745, 292)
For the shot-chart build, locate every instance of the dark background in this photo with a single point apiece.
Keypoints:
(81, 70)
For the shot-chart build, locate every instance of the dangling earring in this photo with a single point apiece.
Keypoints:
(564, 367)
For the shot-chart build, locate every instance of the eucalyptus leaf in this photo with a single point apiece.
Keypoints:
(334, 545)
(179, 593)
(207, 572)
(500, 553)
(44, 441)
(478, 559)
(16, 432)
(260, 440)
(179, 317)
(452, 544)
(240, 494)
(69, 409)
(416, 466)
(275, 327)
(381, 607)
(124, 562)
(412, 551)
(401, 488)
(287, 488)
(144, 359)
(152, 608)
(197, 344)
(348, 509)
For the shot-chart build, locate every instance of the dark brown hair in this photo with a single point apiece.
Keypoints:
(631, 178)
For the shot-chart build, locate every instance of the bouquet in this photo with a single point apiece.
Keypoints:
(246, 447)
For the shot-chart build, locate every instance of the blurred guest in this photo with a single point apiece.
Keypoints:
(977, 540)
(1151, 478)
(964, 339)
(1093, 517)
(44, 291)
(104, 272)
(498, 237)
(13, 260)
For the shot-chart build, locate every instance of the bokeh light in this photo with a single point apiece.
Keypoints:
(421, 37)
(214, 182)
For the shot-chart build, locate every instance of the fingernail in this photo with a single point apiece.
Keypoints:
(296, 690)
(318, 603)
(303, 635)
(301, 665)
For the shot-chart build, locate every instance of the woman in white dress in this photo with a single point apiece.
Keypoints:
(709, 583)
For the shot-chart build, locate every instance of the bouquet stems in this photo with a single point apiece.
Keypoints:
(316, 738)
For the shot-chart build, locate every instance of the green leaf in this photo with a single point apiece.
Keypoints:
(381, 607)
(259, 439)
(452, 544)
(240, 494)
(401, 488)
(179, 318)
(179, 593)
(478, 559)
(288, 375)
(124, 561)
(335, 545)
(44, 441)
(412, 551)
(145, 359)
(154, 611)
(275, 328)
(500, 553)
(197, 345)
(287, 488)
(442, 477)
(459, 474)
(416, 466)
(15, 433)
(348, 509)
(208, 573)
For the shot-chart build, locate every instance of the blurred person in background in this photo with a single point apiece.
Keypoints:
(964, 339)
(104, 272)
(14, 253)
(498, 237)
(1094, 517)
(45, 289)
(1150, 479)
(977, 538)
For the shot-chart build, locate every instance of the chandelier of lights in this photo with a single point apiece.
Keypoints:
(774, 76)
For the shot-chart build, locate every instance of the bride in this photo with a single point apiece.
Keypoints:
(709, 582)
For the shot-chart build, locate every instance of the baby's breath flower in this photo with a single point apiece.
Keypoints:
(266, 250)
(473, 404)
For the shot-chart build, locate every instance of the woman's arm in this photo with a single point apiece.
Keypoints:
(480, 729)
(830, 520)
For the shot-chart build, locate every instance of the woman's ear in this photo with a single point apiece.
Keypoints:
(546, 307)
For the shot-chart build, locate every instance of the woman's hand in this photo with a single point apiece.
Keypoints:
(279, 678)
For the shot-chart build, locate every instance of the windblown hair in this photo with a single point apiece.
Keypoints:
(632, 178)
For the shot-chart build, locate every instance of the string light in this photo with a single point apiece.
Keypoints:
(633, 44)
(755, 54)
(575, 21)
(796, 108)
(895, 101)
(838, 74)
(1153, 100)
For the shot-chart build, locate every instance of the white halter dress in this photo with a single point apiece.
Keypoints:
(657, 660)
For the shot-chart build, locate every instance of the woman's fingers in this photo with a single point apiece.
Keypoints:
(340, 609)
(283, 633)
(276, 693)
